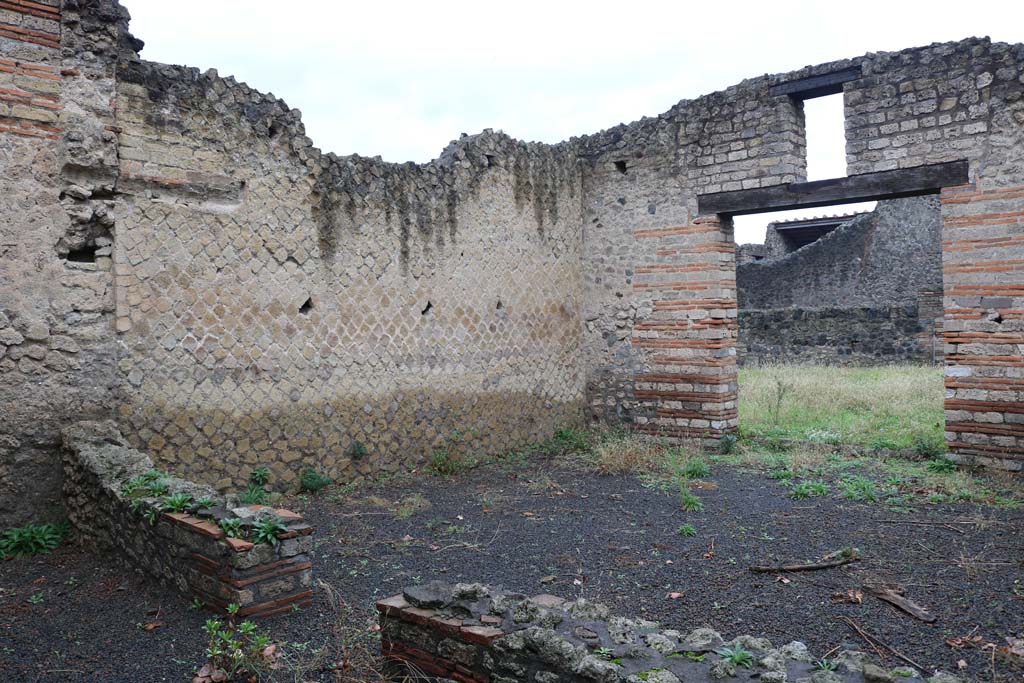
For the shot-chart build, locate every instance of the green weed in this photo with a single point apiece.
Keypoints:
(690, 502)
(807, 489)
(254, 495)
(859, 489)
(31, 539)
(267, 530)
(736, 655)
(313, 481)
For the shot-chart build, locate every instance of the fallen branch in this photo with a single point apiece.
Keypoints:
(874, 642)
(895, 599)
(845, 556)
(867, 639)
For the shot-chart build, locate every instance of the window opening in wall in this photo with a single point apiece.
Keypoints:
(306, 306)
(826, 137)
(621, 167)
(840, 328)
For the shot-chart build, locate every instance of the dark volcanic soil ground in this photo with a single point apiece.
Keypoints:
(556, 529)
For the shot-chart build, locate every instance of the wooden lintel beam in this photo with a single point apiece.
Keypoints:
(816, 86)
(866, 187)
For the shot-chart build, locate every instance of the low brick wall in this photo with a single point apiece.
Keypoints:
(471, 634)
(187, 549)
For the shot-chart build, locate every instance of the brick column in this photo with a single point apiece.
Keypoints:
(689, 339)
(983, 271)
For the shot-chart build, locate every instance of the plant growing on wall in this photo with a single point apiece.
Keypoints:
(157, 487)
(259, 476)
(231, 527)
(737, 655)
(267, 530)
(358, 450)
(254, 495)
(179, 502)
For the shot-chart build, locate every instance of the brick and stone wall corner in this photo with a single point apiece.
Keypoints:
(109, 505)
(470, 633)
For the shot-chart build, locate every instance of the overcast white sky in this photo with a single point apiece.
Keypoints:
(402, 79)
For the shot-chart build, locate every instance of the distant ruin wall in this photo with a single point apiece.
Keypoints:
(860, 335)
(884, 258)
(862, 294)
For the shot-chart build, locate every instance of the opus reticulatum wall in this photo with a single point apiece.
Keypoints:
(177, 255)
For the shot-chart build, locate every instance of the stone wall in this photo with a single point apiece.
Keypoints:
(278, 306)
(176, 253)
(472, 634)
(108, 502)
(57, 348)
(883, 258)
(858, 335)
(862, 294)
(659, 280)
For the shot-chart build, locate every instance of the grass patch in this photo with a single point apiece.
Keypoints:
(891, 407)
(411, 505)
(807, 489)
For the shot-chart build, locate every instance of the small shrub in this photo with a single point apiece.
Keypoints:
(806, 489)
(826, 664)
(259, 476)
(690, 502)
(695, 468)
(232, 526)
(571, 440)
(931, 446)
(254, 495)
(267, 530)
(941, 466)
(783, 474)
(358, 451)
(736, 655)
(157, 487)
(235, 652)
(782, 389)
(313, 481)
(204, 503)
(442, 463)
(31, 539)
(687, 530)
(727, 444)
(179, 502)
